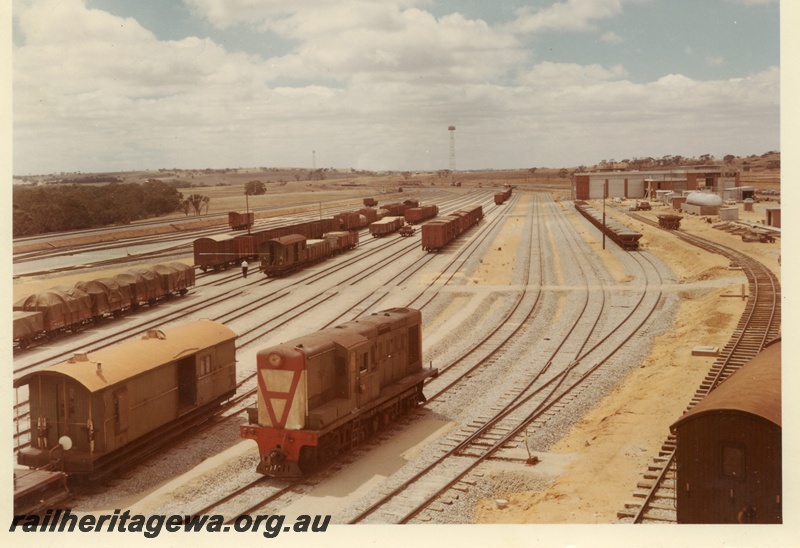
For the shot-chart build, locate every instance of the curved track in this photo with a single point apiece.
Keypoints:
(760, 322)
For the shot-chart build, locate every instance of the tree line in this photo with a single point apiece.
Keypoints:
(57, 208)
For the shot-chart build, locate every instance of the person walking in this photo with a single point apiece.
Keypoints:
(244, 268)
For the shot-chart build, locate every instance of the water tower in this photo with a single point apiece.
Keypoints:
(452, 130)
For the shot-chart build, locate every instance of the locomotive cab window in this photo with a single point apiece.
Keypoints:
(732, 461)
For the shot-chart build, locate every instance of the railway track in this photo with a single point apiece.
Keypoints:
(250, 335)
(760, 322)
(495, 433)
(520, 406)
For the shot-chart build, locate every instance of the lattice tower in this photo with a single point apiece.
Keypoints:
(452, 130)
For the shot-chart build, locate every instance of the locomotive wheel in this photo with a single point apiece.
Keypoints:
(308, 459)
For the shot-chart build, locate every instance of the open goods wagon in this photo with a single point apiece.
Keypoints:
(385, 226)
(49, 313)
(439, 232)
(323, 393)
(96, 411)
(350, 220)
(289, 253)
(422, 213)
(626, 238)
(222, 251)
(501, 197)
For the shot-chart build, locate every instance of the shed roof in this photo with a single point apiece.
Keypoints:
(123, 361)
(755, 389)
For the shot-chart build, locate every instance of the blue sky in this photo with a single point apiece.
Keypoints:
(108, 85)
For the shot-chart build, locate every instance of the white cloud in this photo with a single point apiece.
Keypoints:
(611, 37)
(714, 60)
(94, 92)
(753, 2)
(565, 75)
(571, 15)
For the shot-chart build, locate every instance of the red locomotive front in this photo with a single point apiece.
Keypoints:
(321, 394)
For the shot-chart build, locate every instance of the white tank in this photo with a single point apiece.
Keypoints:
(703, 199)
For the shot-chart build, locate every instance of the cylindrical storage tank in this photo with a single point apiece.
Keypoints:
(704, 199)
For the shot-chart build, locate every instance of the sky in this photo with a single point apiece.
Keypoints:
(116, 85)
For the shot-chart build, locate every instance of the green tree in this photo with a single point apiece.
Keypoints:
(196, 202)
(255, 188)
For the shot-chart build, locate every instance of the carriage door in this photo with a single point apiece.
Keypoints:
(368, 378)
(187, 384)
(121, 409)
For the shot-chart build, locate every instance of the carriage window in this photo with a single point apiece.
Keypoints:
(364, 362)
(204, 365)
(71, 401)
(732, 461)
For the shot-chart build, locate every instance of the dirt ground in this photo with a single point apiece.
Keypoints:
(601, 459)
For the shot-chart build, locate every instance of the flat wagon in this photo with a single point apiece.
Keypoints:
(626, 238)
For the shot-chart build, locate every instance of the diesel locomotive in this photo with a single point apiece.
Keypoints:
(323, 393)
